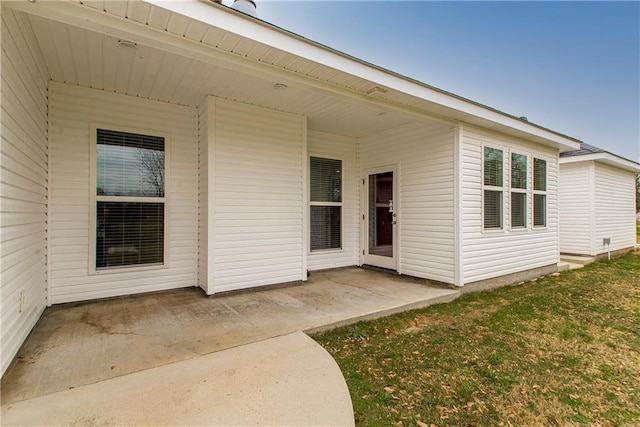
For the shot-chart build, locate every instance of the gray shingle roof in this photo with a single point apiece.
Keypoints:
(584, 149)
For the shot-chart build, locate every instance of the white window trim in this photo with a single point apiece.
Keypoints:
(525, 191)
(503, 189)
(94, 198)
(540, 192)
(310, 203)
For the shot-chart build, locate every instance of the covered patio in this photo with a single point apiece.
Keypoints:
(78, 344)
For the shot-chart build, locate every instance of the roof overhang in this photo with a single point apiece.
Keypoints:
(449, 106)
(606, 158)
(354, 81)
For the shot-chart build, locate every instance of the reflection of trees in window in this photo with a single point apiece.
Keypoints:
(130, 180)
(152, 171)
(130, 164)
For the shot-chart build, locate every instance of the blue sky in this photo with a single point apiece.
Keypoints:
(573, 67)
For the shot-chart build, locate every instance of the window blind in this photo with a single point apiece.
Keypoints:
(129, 164)
(129, 199)
(325, 195)
(493, 167)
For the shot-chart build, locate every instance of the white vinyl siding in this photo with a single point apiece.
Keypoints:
(597, 202)
(203, 199)
(614, 208)
(576, 207)
(424, 155)
(23, 181)
(343, 148)
(258, 197)
(497, 253)
(73, 110)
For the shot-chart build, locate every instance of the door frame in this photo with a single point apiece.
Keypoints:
(390, 263)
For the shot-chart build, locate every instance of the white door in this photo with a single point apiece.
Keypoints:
(380, 245)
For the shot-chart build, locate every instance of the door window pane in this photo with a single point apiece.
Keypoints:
(381, 214)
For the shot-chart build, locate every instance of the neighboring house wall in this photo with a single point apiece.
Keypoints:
(341, 148)
(23, 173)
(614, 208)
(493, 253)
(259, 199)
(576, 207)
(72, 112)
(424, 156)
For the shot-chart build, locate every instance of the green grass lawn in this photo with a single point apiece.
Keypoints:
(561, 350)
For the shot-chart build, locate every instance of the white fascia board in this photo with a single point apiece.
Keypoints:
(263, 32)
(606, 158)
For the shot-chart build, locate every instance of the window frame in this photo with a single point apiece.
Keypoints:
(539, 193)
(94, 198)
(524, 191)
(503, 189)
(311, 203)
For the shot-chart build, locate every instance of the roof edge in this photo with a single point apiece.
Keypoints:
(280, 38)
(604, 157)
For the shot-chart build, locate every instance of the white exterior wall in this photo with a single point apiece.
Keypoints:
(258, 200)
(23, 180)
(341, 148)
(494, 253)
(72, 111)
(203, 196)
(614, 208)
(424, 155)
(577, 207)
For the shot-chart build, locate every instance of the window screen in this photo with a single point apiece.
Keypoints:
(325, 196)
(130, 189)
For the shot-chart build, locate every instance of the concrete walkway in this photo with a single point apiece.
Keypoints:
(73, 347)
(256, 384)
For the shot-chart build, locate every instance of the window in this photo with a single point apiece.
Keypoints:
(518, 190)
(325, 203)
(539, 192)
(130, 199)
(493, 187)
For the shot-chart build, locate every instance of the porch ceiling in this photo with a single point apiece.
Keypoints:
(96, 59)
(190, 48)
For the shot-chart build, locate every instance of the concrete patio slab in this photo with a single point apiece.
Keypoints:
(76, 345)
(288, 380)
